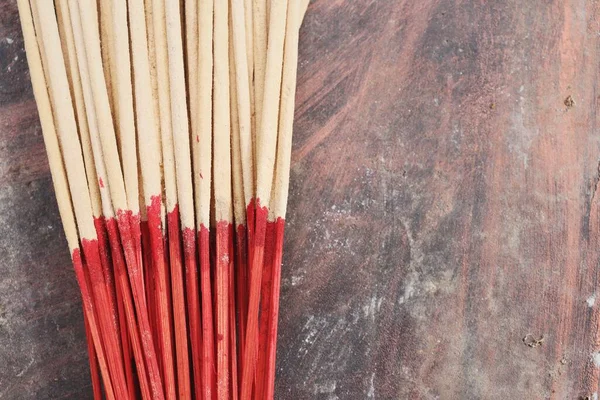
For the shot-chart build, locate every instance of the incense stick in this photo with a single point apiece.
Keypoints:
(126, 313)
(122, 85)
(59, 180)
(150, 152)
(170, 191)
(239, 214)
(239, 207)
(186, 108)
(242, 96)
(108, 49)
(266, 143)
(202, 149)
(73, 77)
(77, 182)
(222, 192)
(66, 33)
(278, 205)
(259, 40)
(191, 60)
(181, 140)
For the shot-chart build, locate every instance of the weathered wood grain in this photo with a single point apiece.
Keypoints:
(443, 207)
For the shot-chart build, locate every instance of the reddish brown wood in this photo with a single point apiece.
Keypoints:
(443, 207)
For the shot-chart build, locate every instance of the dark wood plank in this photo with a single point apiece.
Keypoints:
(443, 207)
(443, 202)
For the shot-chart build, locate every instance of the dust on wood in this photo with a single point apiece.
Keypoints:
(569, 102)
(531, 341)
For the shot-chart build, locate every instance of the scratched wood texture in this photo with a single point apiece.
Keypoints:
(443, 208)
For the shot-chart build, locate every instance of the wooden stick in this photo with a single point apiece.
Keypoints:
(179, 118)
(59, 178)
(237, 160)
(150, 159)
(65, 118)
(267, 135)
(148, 137)
(129, 237)
(67, 39)
(93, 176)
(232, 339)
(191, 60)
(164, 100)
(265, 307)
(93, 357)
(107, 41)
(221, 115)
(149, 382)
(81, 74)
(248, 18)
(148, 6)
(277, 245)
(222, 191)
(102, 107)
(242, 100)
(202, 148)
(281, 182)
(122, 85)
(303, 7)
(266, 146)
(66, 34)
(185, 193)
(254, 46)
(126, 313)
(239, 206)
(146, 379)
(91, 135)
(202, 134)
(125, 127)
(67, 129)
(239, 201)
(260, 33)
(170, 193)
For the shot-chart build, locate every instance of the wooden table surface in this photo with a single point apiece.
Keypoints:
(444, 227)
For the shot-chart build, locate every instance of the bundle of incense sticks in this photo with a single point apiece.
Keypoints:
(168, 128)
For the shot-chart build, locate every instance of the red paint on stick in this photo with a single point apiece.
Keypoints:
(274, 312)
(233, 368)
(223, 256)
(241, 286)
(150, 279)
(94, 324)
(117, 310)
(163, 291)
(256, 266)
(101, 183)
(179, 306)
(125, 344)
(265, 308)
(93, 357)
(193, 307)
(130, 301)
(108, 324)
(106, 262)
(136, 235)
(145, 358)
(250, 221)
(208, 343)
